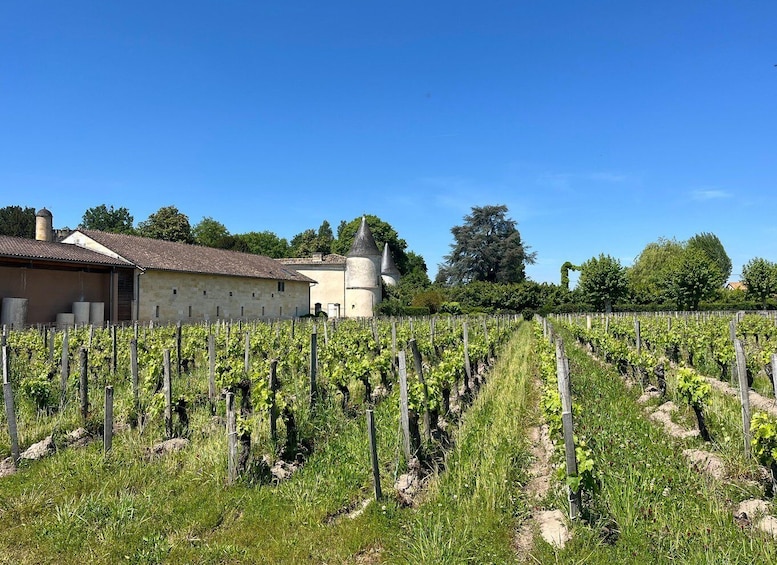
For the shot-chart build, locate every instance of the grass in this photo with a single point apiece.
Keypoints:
(664, 511)
(80, 505)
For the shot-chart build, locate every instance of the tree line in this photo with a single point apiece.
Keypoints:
(485, 269)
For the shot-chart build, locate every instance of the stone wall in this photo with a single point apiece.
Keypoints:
(330, 287)
(168, 296)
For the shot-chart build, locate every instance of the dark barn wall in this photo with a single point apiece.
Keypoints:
(51, 291)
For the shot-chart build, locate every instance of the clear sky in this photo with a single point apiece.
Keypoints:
(602, 125)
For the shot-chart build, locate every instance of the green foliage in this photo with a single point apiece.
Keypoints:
(565, 268)
(763, 428)
(487, 247)
(711, 246)
(168, 224)
(691, 277)
(264, 243)
(651, 269)
(211, 233)
(602, 281)
(17, 221)
(115, 220)
(692, 388)
(586, 479)
(760, 276)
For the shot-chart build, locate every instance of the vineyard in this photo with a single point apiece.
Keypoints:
(250, 442)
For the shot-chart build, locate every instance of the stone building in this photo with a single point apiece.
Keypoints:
(94, 276)
(177, 281)
(349, 286)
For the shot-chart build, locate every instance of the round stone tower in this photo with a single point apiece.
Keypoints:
(362, 274)
(388, 269)
(44, 230)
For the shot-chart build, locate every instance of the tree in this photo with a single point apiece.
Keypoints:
(325, 238)
(212, 233)
(115, 220)
(602, 281)
(382, 232)
(304, 244)
(692, 277)
(487, 247)
(264, 243)
(648, 276)
(760, 276)
(17, 221)
(167, 223)
(713, 248)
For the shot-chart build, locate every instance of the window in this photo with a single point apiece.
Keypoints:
(218, 311)
(156, 311)
(281, 286)
(230, 293)
(205, 293)
(253, 295)
(242, 311)
(175, 291)
(190, 310)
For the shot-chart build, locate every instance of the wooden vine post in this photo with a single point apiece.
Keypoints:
(114, 349)
(638, 336)
(64, 370)
(247, 354)
(212, 371)
(467, 366)
(10, 411)
(167, 387)
(178, 360)
(108, 422)
(231, 439)
(419, 369)
(52, 334)
(84, 384)
(404, 411)
(774, 373)
(313, 366)
(744, 393)
(562, 372)
(134, 373)
(374, 454)
(273, 386)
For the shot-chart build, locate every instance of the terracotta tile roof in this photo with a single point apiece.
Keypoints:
(22, 248)
(331, 259)
(162, 255)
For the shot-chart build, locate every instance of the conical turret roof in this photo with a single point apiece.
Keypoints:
(363, 243)
(387, 265)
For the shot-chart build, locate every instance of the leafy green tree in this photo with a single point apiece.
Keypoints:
(760, 277)
(325, 238)
(382, 232)
(264, 243)
(304, 243)
(602, 281)
(169, 224)
(487, 247)
(713, 248)
(648, 276)
(17, 221)
(114, 220)
(212, 233)
(692, 277)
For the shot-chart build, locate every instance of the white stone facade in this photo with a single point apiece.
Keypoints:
(167, 296)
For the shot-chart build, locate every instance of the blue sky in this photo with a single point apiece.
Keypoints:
(601, 125)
